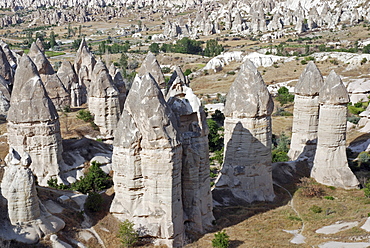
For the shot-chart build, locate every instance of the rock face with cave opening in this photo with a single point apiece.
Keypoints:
(246, 172)
(330, 165)
(306, 114)
(33, 122)
(193, 128)
(147, 163)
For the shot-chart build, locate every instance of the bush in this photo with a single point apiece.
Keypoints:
(353, 119)
(85, 115)
(187, 72)
(310, 188)
(215, 136)
(329, 198)
(367, 189)
(284, 96)
(221, 240)
(94, 202)
(127, 233)
(94, 180)
(280, 148)
(316, 209)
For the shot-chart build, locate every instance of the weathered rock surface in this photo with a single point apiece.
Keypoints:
(306, 114)
(147, 162)
(103, 100)
(33, 123)
(53, 85)
(151, 65)
(4, 96)
(330, 163)
(120, 85)
(193, 128)
(84, 65)
(6, 71)
(69, 79)
(29, 220)
(246, 172)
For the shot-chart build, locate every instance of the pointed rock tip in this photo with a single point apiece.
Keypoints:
(333, 91)
(310, 81)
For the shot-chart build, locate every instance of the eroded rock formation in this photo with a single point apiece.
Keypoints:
(306, 114)
(4, 96)
(28, 218)
(246, 171)
(69, 78)
(147, 163)
(151, 65)
(33, 123)
(193, 128)
(330, 164)
(120, 85)
(53, 85)
(103, 100)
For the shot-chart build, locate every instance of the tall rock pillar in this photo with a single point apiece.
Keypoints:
(193, 128)
(246, 171)
(147, 165)
(330, 164)
(306, 114)
(33, 122)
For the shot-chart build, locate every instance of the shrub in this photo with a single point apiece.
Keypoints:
(166, 70)
(310, 188)
(353, 119)
(329, 198)
(94, 202)
(221, 240)
(127, 233)
(316, 209)
(94, 180)
(367, 189)
(187, 72)
(284, 96)
(215, 136)
(280, 148)
(85, 115)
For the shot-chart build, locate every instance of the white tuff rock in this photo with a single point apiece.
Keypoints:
(330, 165)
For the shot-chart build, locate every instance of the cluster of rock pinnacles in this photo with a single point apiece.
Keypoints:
(160, 149)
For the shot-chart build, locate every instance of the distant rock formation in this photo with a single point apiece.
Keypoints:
(103, 100)
(28, 218)
(84, 65)
(6, 71)
(69, 78)
(54, 87)
(4, 96)
(33, 123)
(330, 165)
(151, 65)
(193, 128)
(120, 85)
(246, 171)
(306, 114)
(147, 163)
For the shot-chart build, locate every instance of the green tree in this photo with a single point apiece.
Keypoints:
(127, 233)
(213, 48)
(154, 48)
(366, 49)
(284, 96)
(52, 39)
(94, 202)
(215, 136)
(76, 44)
(221, 240)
